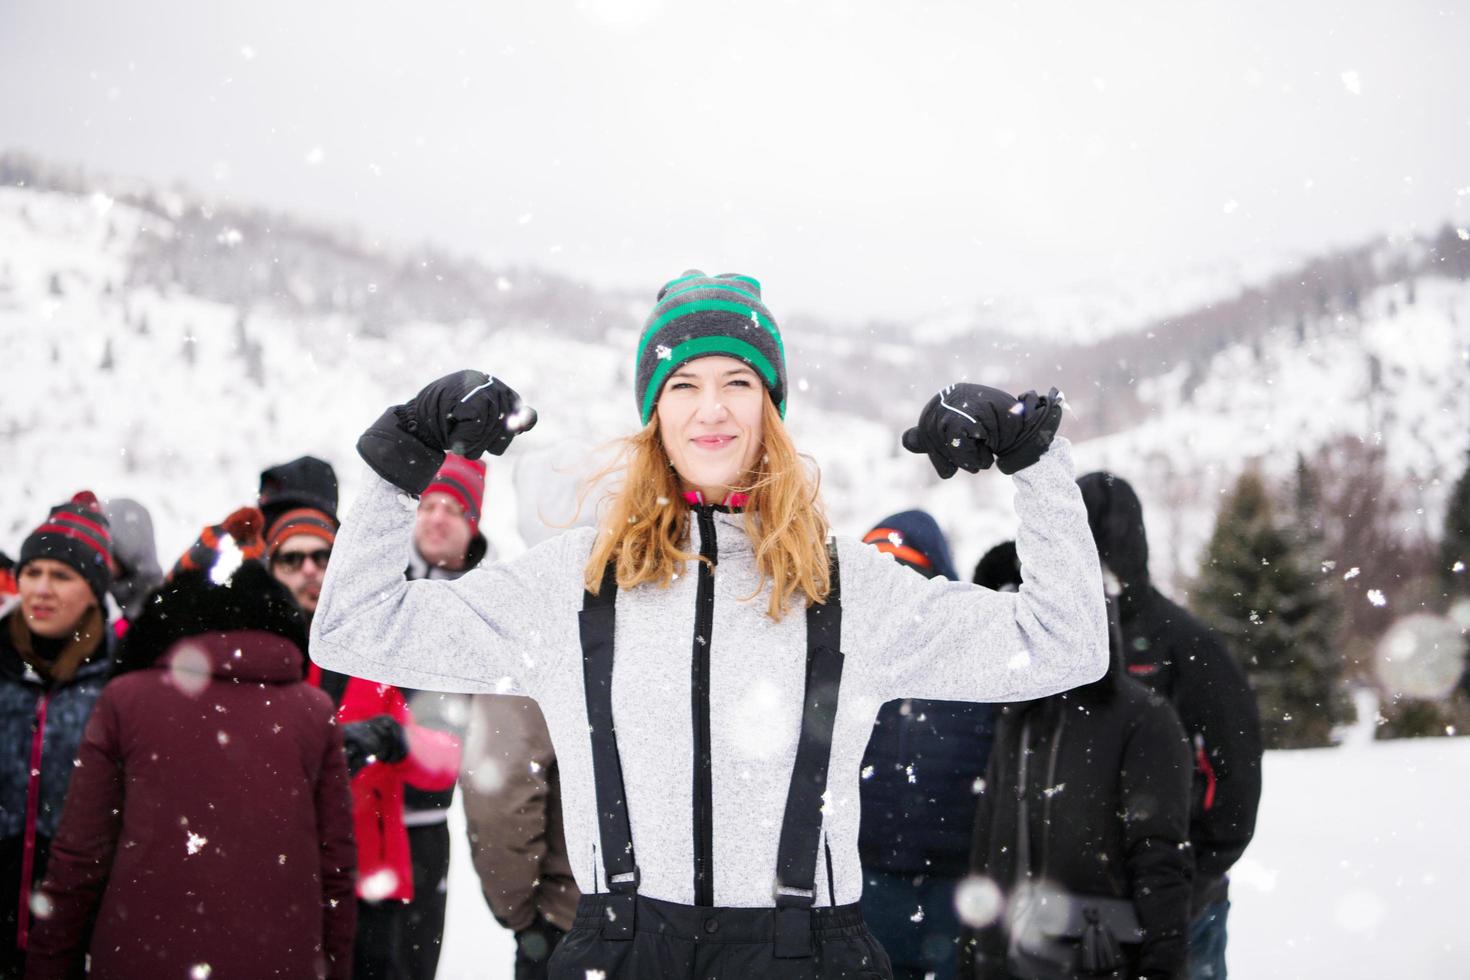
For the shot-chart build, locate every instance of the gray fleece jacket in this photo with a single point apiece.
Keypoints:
(512, 628)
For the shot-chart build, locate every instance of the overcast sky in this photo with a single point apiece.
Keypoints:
(894, 158)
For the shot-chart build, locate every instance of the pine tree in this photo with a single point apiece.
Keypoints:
(1454, 547)
(1267, 599)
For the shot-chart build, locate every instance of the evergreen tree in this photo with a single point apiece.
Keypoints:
(1268, 600)
(1454, 547)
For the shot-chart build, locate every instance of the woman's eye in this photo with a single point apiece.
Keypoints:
(680, 384)
(740, 383)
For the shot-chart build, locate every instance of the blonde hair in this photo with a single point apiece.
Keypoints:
(647, 528)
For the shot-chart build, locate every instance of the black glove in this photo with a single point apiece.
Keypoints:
(377, 739)
(969, 426)
(467, 412)
(538, 940)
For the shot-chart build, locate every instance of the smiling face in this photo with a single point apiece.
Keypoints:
(53, 597)
(709, 418)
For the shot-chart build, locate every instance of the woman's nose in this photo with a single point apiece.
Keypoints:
(711, 408)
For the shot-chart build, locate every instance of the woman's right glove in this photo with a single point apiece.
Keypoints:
(468, 413)
(377, 739)
(969, 426)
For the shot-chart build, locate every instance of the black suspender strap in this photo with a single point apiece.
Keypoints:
(801, 828)
(619, 865)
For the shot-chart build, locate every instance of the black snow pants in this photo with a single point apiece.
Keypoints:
(688, 942)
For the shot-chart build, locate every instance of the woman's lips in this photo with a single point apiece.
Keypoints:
(712, 442)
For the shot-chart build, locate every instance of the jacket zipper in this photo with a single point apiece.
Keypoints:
(33, 805)
(704, 615)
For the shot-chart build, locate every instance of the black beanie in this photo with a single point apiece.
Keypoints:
(77, 534)
(999, 568)
(304, 482)
(699, 316)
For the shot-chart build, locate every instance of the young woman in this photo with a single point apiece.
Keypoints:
(709, 667)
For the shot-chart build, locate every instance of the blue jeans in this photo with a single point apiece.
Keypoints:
(917, 949)
(1207, 943)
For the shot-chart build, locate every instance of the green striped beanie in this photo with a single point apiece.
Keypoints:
(698, 316)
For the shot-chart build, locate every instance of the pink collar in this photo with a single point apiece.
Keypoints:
(695, 499)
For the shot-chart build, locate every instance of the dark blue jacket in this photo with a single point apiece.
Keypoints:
(926, 759)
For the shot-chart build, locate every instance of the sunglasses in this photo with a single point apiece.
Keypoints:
(295, 559)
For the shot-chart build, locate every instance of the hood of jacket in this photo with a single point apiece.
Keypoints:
(135, 552)
(192, 607)
(915, 539)
(1116, 518)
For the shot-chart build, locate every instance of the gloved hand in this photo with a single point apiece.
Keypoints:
(969, 426)
(538, 940)
(376, 739)
(467, 412)
(245, 525)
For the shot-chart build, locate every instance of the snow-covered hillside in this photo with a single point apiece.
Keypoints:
(117, 377)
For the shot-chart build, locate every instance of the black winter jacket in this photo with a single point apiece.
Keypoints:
(1108, 779)
(1179, 657)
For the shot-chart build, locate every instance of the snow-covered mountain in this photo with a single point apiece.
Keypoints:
(165, 347)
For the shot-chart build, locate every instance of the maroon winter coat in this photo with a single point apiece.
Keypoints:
(209, 819)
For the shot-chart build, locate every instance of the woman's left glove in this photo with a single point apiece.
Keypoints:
(969, 426)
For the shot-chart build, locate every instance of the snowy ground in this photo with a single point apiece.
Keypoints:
(1358, 870)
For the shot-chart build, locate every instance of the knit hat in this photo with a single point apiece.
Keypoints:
(302, 520)
(303, 482)
(699, 316)
(914, 538)
(77, 534)
(464, 480)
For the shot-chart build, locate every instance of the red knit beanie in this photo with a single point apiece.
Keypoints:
(464, 480)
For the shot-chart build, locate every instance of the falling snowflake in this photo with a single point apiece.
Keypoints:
(895, 539)
(908, 771)
(41, 905)
(867, 772)
(977, 901)
(1457, 567)
(918, 915)
(1351, 573)
(663, 352)
(200, 971)
(1376, 597)
(520, 418)
(1051, 791)
(378, 886)
(195, 843)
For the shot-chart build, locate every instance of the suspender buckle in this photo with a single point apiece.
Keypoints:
(620, 906)
(627, 882)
